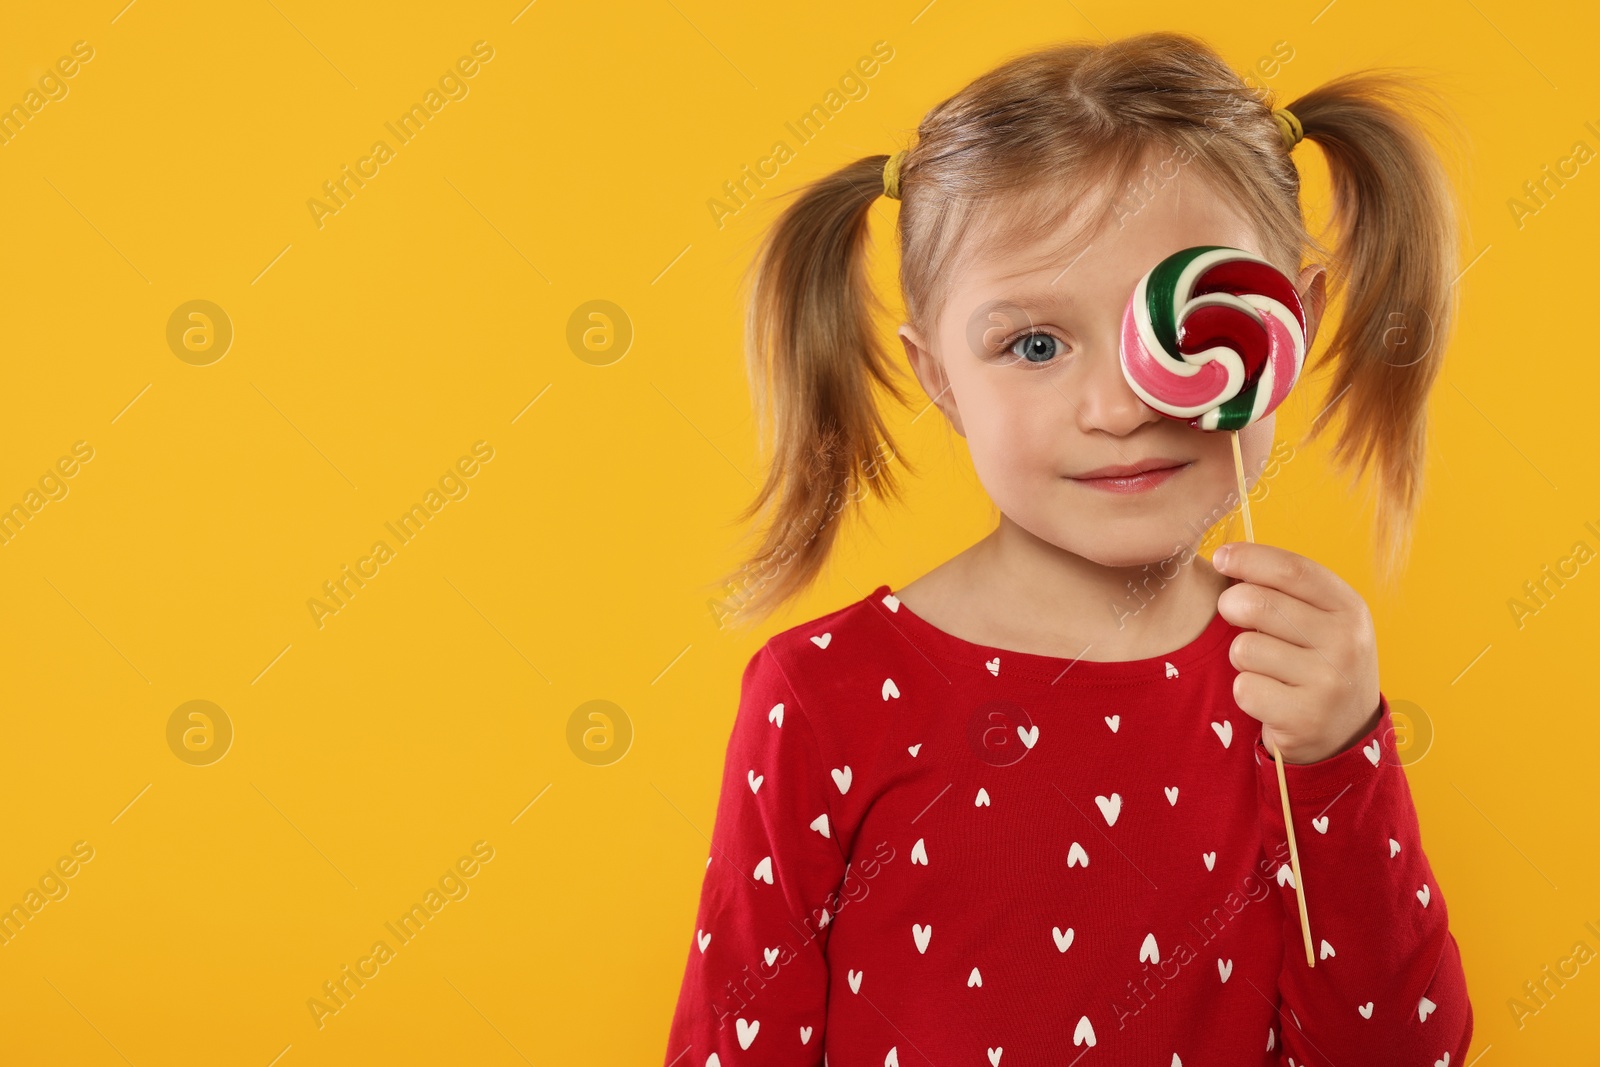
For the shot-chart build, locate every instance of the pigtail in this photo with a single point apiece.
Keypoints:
(815, 353)
(1395, 264)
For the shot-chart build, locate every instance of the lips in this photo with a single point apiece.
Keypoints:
(1140, 477)
(1128, 470)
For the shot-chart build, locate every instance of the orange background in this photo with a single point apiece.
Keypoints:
(372, 347)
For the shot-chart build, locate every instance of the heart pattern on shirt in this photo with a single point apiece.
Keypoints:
(1110, 807)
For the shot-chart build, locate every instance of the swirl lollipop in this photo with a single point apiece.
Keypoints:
(1216, 336)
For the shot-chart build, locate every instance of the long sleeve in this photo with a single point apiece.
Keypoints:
(1388, 985)
(755, 989)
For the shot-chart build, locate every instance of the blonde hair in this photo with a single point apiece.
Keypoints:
(994, 157)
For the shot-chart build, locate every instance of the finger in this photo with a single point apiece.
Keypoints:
(1283, 570)
(1257, 607)
(1269, 701)
(1286, 663)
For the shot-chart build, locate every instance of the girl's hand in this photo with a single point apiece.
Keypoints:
(1310, 671)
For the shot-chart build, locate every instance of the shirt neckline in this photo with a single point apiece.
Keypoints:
(1052, 670)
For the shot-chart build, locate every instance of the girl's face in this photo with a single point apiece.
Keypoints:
(1025, 365)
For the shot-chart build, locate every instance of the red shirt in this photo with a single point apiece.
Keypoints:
(932, 852)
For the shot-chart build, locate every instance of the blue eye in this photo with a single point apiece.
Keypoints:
(1035, 347)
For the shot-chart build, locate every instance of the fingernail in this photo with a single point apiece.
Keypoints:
(1219, 558)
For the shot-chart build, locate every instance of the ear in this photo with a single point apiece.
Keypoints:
(1313, 287)
(930, 373)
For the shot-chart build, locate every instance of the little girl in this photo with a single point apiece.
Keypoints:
(1024, 810)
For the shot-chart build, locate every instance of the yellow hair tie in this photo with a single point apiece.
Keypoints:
(1289, 127)
(891, 174)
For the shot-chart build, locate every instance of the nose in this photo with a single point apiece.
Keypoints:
(1104, 399)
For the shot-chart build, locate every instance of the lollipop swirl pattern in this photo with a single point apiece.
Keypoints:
(1215, 336)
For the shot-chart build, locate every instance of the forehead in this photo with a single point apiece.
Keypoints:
(1092, 244)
